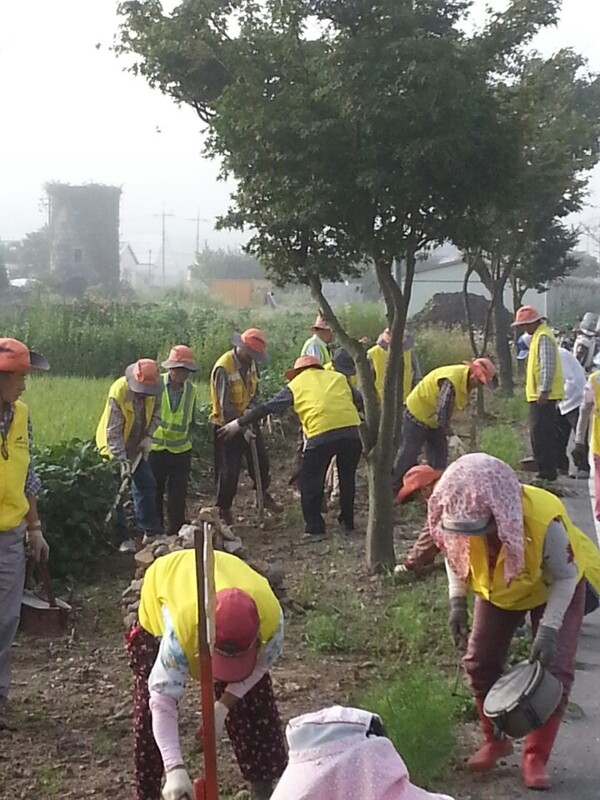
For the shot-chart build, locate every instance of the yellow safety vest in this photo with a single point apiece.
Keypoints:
(171, 582)
(421, 402)
(352, 380)
(534, 368)
(379, 356)
(13, 471)
(240, 391)
(324, 353)
(323, 401)
(595, 437)
(530, 588)
(173, 434)
(119, 392)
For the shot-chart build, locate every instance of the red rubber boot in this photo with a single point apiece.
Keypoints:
(492, 749)
(538, 746)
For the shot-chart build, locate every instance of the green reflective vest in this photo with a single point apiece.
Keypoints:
(173, 434)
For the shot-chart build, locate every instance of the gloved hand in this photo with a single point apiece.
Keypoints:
(580, 456)
(458, 621)
(146, 447)
(125, 467)
(543, 648)
(36, 543)
(221, 712)
(229, 430)
(249, 435)
(178, 785)
(456, 442)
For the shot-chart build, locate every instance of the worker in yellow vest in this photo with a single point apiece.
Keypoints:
(163, 654)
(590, 407)
(19, 486)
(319, 344)
(378, 355)
(343, 363)
(171, 454)
(233, 388)
(124, 433)
(517, 549)
(430, 408)
(327, 407)
(543, 388)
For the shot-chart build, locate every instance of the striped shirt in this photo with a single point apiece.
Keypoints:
(547, 356)
(115, 428)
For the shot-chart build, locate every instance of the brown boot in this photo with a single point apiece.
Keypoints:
(538, 746)
(271, 504)
(492, 749)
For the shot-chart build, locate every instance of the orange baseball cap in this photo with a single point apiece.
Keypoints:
(417, 478)
(17, 357)
(143, 377)
(180, 357)
(526, 315)
(254, 342)
(482, 370)
(303, 362)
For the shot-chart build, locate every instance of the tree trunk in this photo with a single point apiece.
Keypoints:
(380, 541)
(502, 335)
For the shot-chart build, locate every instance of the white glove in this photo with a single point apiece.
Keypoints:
(249, 435)
(38, 546)
(456, 442)
(230, 430)
(125, 467)
(146, 447)
(178, 785)
(221, 712)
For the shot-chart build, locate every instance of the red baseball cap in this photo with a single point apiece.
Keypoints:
(236, 636)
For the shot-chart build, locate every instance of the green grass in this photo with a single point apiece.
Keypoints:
(512, 409)
(64, 408)
(503, 442)
(419, 713)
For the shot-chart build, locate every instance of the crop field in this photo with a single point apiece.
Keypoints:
(64, 408)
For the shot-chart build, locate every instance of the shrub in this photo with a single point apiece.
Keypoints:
(437, 346)
(78, 489)
(419, 712)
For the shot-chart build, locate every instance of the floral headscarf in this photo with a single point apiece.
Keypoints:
(476, 487)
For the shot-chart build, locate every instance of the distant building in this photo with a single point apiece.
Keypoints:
(84, 236)
(239, 292)
(138, 274)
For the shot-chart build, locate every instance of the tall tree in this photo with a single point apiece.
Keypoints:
(358, 132)
(521, 238)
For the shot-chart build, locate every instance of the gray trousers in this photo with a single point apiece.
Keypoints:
(414, 439)
(12, 581)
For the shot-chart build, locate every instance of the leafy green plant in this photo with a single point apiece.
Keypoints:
(419, 713)
(326, 633)
(78, 489)
(503, 442)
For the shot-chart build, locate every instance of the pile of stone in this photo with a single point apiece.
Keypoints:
(223, 539)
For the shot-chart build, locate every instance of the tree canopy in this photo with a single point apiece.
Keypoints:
(358, 132)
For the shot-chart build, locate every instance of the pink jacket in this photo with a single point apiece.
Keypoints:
(332, 758)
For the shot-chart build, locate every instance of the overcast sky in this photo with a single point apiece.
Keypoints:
(70, 113)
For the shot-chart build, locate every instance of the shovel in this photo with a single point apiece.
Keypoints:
(123, 488)
(44, 617)
(206, 788)
(260, 501)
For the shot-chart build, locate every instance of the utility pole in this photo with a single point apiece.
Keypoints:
(163, 216)
(198, 219)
